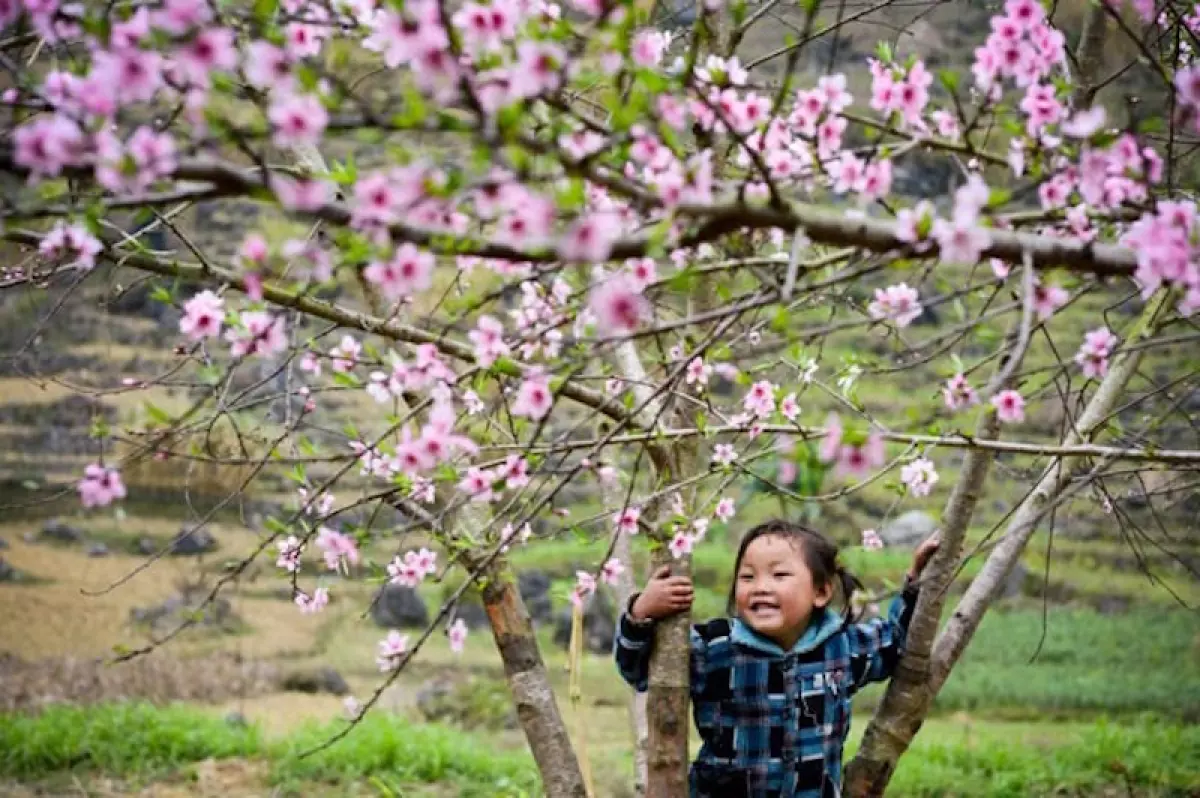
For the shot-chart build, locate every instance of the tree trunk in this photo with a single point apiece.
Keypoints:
(908, 697)
(920, 676)
(537, 709)
(625, 589)
(667, 700)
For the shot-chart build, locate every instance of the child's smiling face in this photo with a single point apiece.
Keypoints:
(775, 593)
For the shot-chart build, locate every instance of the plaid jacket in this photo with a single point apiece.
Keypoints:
(773, 722)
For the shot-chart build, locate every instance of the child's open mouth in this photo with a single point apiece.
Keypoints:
(763, 607)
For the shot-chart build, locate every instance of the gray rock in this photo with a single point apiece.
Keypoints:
(599, 625)
(534, 587)
(190, 542)
(3, 544)
(237, 720)
(399, 607)
(144, 546)
(320, 680)
(8, 573)
(183, 606)
(908, 530)
(97, 549)
(61, 532)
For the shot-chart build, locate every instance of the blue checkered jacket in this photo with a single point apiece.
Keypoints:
(773, 722)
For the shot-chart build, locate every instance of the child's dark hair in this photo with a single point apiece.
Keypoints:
(820, 555)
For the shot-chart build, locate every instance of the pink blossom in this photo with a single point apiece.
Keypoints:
(477, 484)
(681, 544)
(698, 372)
(473, 403)
(1086, 123)
(71, 244)
(258, 333)
(871, 540)
(590, 239)
(202, 316)
(913, 225)
(457, 635)
(297, 120)
(896, 302)
(618, 304)
(611, 571)
(1048, 298)
(534, 397)
(409, 271)
(760, 399)
(129, 76)
(181, 16)
(538, 69)
(725, 509)
(626, 521)
(488, 338)
(585, 585)
(958, 393)
(392, 651)
(100, 486)
(1094, 353)
(858, 461)
(340, 550)
(831, 441)
(210, 50)
(289, 554)
(960, 242)
(648, 47)
(642, 271)
(268, 67)
(723, 454)
(515, 471)
(789, 407)
(919, 476)
(344, 356)
(1010, 406)
(310, 605)
(305, 194)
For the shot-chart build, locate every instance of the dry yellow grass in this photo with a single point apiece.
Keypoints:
(224, 778)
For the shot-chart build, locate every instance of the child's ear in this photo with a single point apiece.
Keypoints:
(823, 596)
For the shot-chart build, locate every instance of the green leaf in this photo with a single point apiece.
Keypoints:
(265, 9)
(949, 79)
(157, 414)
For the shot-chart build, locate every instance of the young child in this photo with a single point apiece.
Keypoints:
(771, 687)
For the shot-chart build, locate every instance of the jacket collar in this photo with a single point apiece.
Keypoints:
(822, 626)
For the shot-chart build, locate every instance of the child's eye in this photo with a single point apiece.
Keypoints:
(745, 577)
(782, 574)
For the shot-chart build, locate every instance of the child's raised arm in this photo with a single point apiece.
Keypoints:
(877, 645)
(665, 595)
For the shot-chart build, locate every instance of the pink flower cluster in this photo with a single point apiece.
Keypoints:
(339, 549)
(1010, 406)
(457, 635)
(481, 484)
(71, 244)
(919, 476)
(618, 304)
(1167, 252)
(1023, 46)
(258, 333)
(203, 316)
(412, 569)
(957, 392)
(585, 585)
(392, 651)
(855, 460)
(895, 91)
(408, 272)
(898, 303)
(290, 550)
(100, 486)
(310, 605)
(871, 540)
(1093, 354)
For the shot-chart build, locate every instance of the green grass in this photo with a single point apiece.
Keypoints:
(390, 755)
(122, 739)
(1146, 756)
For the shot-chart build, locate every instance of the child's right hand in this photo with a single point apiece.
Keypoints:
(664, 595)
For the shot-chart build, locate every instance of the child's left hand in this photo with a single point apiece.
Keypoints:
(923, 553)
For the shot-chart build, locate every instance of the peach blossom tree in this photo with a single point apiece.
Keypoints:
(579, 222)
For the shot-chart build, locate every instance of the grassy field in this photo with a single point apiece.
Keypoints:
(385, 755)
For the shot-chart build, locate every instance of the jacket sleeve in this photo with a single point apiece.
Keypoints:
(633, 644)
(877, 645)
